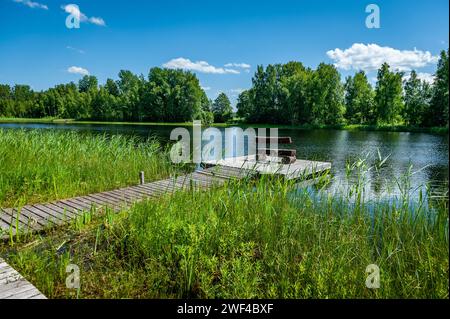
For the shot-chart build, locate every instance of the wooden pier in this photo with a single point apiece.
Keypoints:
(39, 217)
(14, 286)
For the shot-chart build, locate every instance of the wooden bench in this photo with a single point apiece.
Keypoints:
(287, 156)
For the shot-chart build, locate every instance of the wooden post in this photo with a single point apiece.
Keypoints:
(141, 177)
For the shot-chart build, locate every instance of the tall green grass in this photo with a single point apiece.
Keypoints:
(267, 239)
(37, 165)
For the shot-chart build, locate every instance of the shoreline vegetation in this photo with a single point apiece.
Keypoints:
(351, 127)
(267, 238)
(290, 95)
(38, 166)
(245, 240)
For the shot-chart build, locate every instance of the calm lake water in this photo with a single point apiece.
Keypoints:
(426, 153)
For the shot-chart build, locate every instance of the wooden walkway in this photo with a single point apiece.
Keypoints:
(39, 217)
(14, 286)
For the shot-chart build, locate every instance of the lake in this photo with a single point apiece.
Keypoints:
(426, 153)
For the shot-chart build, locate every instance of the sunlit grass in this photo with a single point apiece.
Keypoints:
(267, 239)
(37, 165)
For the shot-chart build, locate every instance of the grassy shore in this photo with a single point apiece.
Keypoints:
(354, 127)
(246, 241)
(39, 165)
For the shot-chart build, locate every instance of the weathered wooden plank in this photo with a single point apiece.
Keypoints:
(157, 188)
(3, 225)
(225, 173)
(69, 207)
(100, 202)
(123, 199)
(208, 178)
(52, 212)
(288, 159)
(152, 188)
(121, 193)
(92, 201)
(65, 214)
(14, 290)
(38, 220)
(278, 152)
(111, 202)
(151, 193)
(137, 191)
(27, 294)
(25, 222)
(148, 192)
(14, 286)
(164, 186)
(79, 203)
(135, 195)
(41, 220)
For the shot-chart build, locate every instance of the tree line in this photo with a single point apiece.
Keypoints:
(293, 94)
(280, 94)
(164, 96)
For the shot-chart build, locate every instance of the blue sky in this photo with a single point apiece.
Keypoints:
(221, 41)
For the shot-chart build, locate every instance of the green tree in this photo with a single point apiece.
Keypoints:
(88, 83)
(244, 104)
(326, 95)
(222, 109)
(130, 87)
(104, 106)
(112, 87)
(417, 99)
(438, 114)
(359, 99)
(388, 96)
(5, 99)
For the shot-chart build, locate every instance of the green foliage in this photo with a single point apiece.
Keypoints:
(292, 94)
(283, 94)
(359, 99)
(417, 98)
(167, 96)
(37, 166)
(262, 240)
(438, 114)
(222, 109)
(388, 96)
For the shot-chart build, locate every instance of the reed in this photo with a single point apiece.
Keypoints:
(263, 239)
(38, 166)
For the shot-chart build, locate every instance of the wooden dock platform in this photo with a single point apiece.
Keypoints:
(38, 217)
(14, 286)
(300, 169)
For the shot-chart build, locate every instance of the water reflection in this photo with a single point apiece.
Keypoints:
(427, 153)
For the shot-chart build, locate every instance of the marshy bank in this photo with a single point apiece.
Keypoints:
(39, 166)
(248, 239)
(245, 240)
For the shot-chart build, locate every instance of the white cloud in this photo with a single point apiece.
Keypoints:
(32, 4)
(206, 88)
(238, 65)
(199, 66)
(427, 77)
(75, 10)
(371, 56)
(75, 49)
(78, 70)
(237, 91)
(97, 21)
